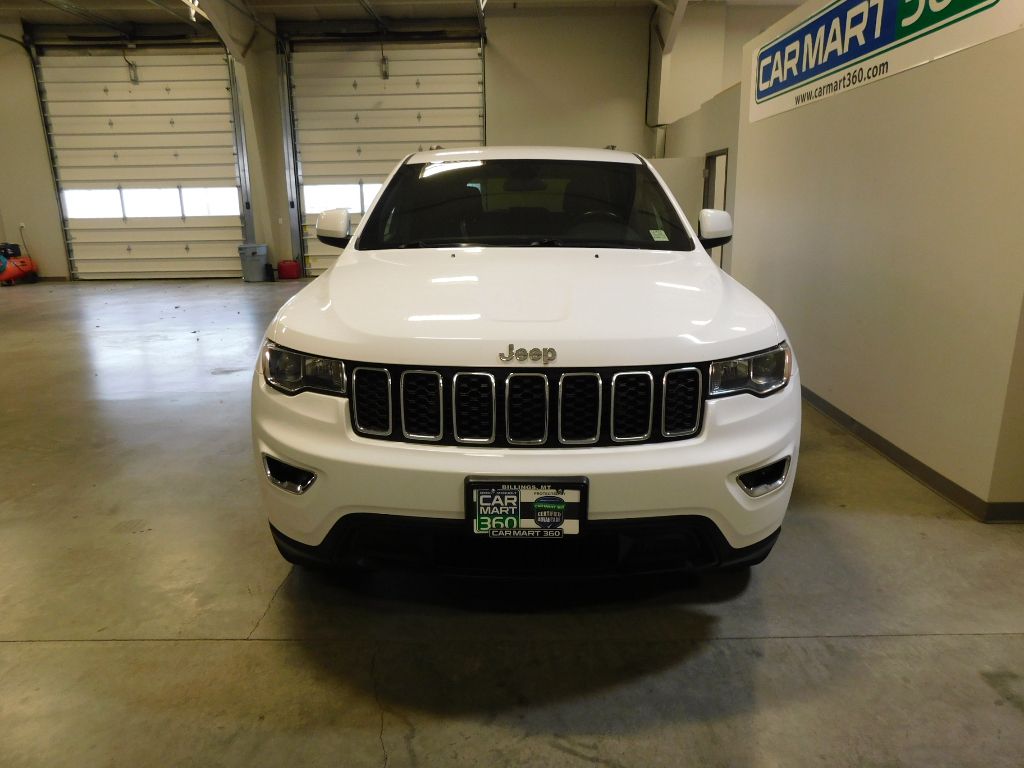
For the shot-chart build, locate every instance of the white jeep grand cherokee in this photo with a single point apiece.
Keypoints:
(525, 360)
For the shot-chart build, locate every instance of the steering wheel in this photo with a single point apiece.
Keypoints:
(601, 215)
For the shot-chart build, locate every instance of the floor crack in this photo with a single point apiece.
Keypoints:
(273, 597)
(376, 698)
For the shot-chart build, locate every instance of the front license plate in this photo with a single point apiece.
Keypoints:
(526, 509)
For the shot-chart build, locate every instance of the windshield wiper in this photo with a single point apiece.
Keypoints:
(547, 242)
(430, 244)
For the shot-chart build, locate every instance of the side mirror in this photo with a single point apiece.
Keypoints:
(714, 228)
(332, 227)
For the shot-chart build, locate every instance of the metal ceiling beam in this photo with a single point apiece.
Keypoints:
(481, 21)
(366, 30)
(372, 12)
(672, 33)
(178, 10)
(84, 13)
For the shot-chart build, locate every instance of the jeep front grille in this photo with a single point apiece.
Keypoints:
(539, 407)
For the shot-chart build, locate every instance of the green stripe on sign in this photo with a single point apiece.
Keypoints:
(914, 16)
(549, 506)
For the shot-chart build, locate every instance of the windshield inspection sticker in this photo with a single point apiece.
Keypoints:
(659, 235)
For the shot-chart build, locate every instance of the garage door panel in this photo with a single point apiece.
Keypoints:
(353, 104)
(426, 135)
(352, 126)
(116, 109)
(141, 224)
(436, 117)
(205, 274)
(116, 237)
(326, 158)
(326, 173)
(409, 84)
(149, 141)
(146, 184)
(320, 264)
(92, 59)
(182, 264)
(316, 248)
(127, 125)
(127, 91)
(148, 73)
(213, 175)
(314, 56)
(176, 156)
(173, 128)
(370, 69)
(142, 253)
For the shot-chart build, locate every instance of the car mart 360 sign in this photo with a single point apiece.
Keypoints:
(848, 43)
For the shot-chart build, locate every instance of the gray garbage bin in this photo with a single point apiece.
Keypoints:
(254, 262)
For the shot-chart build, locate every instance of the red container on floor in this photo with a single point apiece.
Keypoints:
(288, 270)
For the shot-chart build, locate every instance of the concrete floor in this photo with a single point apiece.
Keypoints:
(146, 619)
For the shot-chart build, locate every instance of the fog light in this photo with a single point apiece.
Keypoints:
(764, 480)
(286, 477)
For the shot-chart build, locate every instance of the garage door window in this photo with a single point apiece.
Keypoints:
(151, 203)
(92, 204)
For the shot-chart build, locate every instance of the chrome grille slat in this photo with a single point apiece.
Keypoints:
(469, 402)
(511, 424)
(680, 387)
(563, 407)
(367, 388)
(624, 423)
(541, 407)
(417, 410)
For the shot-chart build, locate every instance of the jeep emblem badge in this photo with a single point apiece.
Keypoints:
(547, 354)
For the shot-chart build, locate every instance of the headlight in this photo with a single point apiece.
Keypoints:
(293, 372)
(758, 374)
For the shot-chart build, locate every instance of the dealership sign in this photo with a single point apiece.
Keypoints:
(849, 43)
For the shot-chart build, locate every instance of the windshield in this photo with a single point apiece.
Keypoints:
(524, 203)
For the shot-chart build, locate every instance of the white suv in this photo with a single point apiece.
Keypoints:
(524, 360)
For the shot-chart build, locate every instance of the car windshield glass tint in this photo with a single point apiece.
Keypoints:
(524, 203)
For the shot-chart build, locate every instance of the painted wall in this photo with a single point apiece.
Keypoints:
(27, 194)
(707, 56)
(713, 127)
(1008, 472)
(567, 79)
(263, 124)
(882, 225)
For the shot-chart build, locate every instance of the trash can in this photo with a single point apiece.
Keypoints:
(254, 262)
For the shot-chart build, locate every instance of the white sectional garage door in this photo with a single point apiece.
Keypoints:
(147, 170)
(352, 124)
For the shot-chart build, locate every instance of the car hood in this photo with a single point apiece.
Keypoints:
(463, 306)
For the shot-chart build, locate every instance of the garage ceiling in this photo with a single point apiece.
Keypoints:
(119, 12)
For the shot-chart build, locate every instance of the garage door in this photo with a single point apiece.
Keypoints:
(144, 155)
(352, 124)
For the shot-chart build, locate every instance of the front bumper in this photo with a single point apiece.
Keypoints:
(608, 547)
(689, 478)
